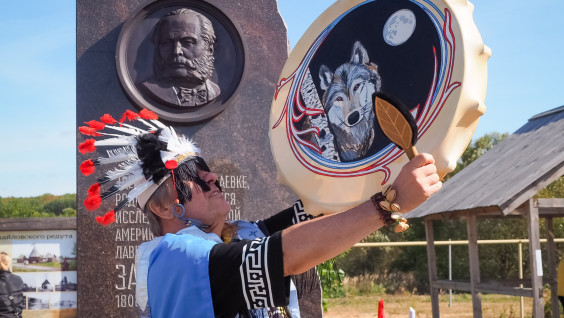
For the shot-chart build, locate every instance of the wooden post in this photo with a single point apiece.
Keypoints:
(472, 229)
(535, 258)
(521, 303)
(551, 249)
(432, 264)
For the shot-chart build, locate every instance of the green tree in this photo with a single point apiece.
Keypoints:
(496, 261)
(331, 278)
(500, 261)
(21, 208)
(46, 205)
(553, 190)
(475, 150)
(59, 204)
(414, 259)
(45, 198)
(367, 260)
(69, 212)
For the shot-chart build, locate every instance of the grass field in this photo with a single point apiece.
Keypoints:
(493, 306)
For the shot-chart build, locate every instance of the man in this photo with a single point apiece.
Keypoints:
(12, 300)
(183, 64)
(199, 265)
(296, 249)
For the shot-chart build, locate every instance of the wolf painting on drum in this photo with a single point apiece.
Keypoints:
(393, 47)
(347, 101)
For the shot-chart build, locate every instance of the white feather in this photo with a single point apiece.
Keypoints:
(115, 135)
(134, 176)
(186, 145)
(167, 155)
(129, 130)
(140, 188)
(119, 155)
(177, 144)
(117, 141)
(158, 123)
(123, 169)
(173, 143)
(166, 135)
(139, 130)
(151, 127)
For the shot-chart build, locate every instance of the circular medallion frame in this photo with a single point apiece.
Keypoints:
(135, 61)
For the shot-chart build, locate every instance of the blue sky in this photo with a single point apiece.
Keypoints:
(37, 79)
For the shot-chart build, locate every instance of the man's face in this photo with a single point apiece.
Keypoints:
(209, 207)
(181, 46)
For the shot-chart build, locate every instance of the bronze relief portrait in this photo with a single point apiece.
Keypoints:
(183, 64)
(182, 61)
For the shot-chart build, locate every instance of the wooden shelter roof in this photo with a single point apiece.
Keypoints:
(509, 174)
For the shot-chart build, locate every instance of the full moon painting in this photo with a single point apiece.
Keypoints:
(399, 27)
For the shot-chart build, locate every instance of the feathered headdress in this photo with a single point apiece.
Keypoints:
(145, 158)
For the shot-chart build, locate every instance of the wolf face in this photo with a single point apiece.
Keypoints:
(348, 103)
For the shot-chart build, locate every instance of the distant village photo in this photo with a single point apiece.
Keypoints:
(46, 262)
(38, 255)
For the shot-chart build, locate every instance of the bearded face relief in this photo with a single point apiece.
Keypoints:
(184, 60)
(348, 103)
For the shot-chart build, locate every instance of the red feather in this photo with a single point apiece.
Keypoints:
(87, 146)
(94, 124)
(171, 164)
(87, 167)
(147, 114)
(129, 115)
(89, 131)
(107, 219)
(92, 202)
(108, 119)
(94, 190)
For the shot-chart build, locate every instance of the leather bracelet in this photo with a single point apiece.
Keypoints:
(385, 216)
(389, 210)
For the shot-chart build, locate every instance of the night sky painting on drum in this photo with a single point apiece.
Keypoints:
(396, 41)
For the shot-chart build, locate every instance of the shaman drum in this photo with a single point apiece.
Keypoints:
(324, 134)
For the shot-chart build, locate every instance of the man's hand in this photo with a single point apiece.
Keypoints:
(310, 243)
(416, 182)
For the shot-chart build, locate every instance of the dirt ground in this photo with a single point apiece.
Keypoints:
(493, 306)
